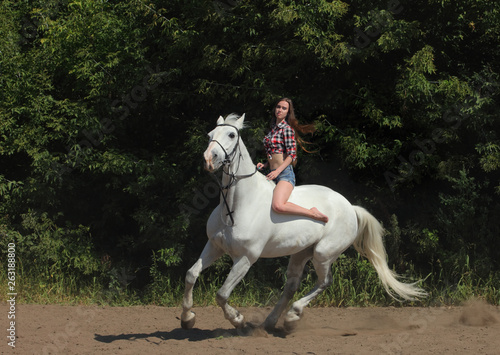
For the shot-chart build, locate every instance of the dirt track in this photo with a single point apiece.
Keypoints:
(52, 329)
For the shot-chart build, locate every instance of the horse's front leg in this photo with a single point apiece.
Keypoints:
(238, 271)
(208, 256)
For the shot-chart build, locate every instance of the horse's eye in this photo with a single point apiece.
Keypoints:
(232, 135)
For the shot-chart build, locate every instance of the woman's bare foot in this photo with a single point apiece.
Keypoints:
(318, 215)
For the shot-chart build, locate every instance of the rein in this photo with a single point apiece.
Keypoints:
(233, 177)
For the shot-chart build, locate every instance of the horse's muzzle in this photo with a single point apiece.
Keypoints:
(209, 156)
(208, 165)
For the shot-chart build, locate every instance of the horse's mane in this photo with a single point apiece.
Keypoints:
(232, 118)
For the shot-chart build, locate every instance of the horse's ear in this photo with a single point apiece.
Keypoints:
(220, 120)
(239, 122)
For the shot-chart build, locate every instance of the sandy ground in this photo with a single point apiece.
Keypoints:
(53, 329)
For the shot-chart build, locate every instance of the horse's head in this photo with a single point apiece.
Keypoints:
(223, 142)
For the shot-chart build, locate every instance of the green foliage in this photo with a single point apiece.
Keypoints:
(105, 108)
(355, 283)
(467, 224)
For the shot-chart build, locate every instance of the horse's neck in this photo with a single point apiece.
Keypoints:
(242, 181)
(240, 166)
(243, 163)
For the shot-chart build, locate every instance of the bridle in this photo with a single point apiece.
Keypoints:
(233, 177)
(228, 159)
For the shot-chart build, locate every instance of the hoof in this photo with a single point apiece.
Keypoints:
(290, 326)
(269, 327)
(291, 321)
(239, 321)
(189, 324)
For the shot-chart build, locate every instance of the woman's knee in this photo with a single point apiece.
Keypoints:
(278, 207)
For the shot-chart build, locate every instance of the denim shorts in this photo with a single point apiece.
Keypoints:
(286, 175)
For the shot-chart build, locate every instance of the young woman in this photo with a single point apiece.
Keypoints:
(281, 149)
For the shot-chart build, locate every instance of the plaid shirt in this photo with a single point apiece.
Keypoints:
(281, 139)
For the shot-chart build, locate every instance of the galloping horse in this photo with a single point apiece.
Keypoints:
(244, 226)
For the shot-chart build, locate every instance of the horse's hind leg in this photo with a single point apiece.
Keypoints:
(208, 256)
(294, 275)
(238, 271)
(323, 271)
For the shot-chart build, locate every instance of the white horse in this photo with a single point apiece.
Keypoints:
(244, 226)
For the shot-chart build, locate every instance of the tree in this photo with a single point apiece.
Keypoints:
(106, 106)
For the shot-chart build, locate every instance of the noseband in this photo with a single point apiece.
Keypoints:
(228, 159)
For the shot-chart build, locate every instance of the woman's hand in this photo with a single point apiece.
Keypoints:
(273, 175)
(260, 166)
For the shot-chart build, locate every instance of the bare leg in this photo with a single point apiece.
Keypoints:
(280, 203)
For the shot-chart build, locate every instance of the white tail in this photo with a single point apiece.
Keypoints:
(369, 244)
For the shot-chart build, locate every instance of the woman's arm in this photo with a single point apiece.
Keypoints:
(262, 165)
(290, 143)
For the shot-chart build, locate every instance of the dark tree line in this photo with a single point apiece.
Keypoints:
(105, 106)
